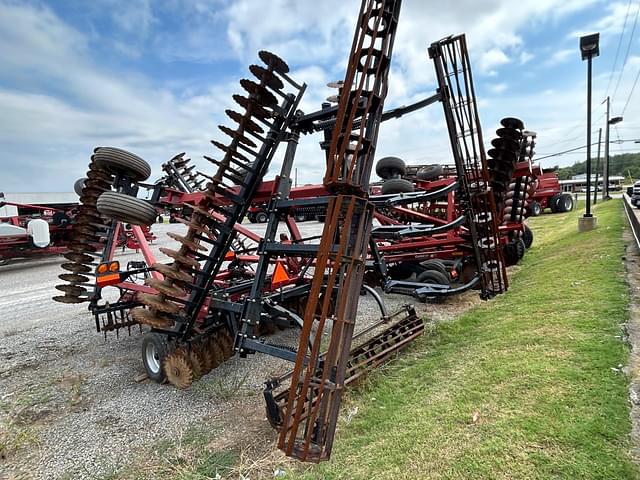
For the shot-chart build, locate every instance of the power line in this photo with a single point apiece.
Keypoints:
(557, 154)
(626, 56)
(615, 62)
(626, 104)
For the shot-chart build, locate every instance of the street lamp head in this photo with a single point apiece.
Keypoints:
(589, 46)
(615, 120)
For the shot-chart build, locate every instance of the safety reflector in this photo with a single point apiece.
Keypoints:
(109, 279)
(279, 275)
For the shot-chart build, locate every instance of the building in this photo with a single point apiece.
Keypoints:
(578, 183)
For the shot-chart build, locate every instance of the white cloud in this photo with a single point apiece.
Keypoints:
(498, 87)
(59, 101)
(493, 58)
(526, 57)
(561, 56)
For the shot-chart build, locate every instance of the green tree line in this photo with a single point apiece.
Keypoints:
(626, 165)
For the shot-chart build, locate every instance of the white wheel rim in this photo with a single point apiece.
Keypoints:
(152, 358)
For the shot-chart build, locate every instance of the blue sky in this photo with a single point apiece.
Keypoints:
(155, 77)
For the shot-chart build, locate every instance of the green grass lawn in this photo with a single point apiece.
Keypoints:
(525, 386)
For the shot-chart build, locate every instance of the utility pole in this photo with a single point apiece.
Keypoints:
(595, 192)
(605, 175)
(605, 179)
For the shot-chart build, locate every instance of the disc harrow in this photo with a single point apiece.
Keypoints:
(179, 174)
(225, 200)
(87, 245)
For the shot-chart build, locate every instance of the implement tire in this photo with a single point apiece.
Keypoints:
(390, 167)
(117, 161)
(126, 209)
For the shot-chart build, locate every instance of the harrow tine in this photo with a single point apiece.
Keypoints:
(267, 77)
(253, 107)
(274, 62)
(245, 122)
(237, 135)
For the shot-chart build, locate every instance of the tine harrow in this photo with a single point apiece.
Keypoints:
(455, 82)
(316, 387)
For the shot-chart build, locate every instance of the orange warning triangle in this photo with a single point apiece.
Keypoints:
(279, 275)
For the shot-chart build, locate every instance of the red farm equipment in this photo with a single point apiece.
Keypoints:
(226, 286)
(548, 194)
(31, 231)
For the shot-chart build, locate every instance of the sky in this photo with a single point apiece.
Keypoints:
(154, 77)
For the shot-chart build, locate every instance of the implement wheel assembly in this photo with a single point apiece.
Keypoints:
(435, 265)
(535, 209)
(125, 208)
(117, 161)
(390, 167)
(397, 185)
(564, 203)
(434, 276)
(527, 236)
(79, 185)
(430, 172)
(154, 350)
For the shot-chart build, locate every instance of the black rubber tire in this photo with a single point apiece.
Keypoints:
(390, 167)
(521, 248)
(60, 218)
(565, 203)
(435, 265)
(251, 217)
(514, 251)
(510, 254)
(401, 271)
(126, 209)
(117, 161)
(535, 209)
(433, 276)
(397, 185)
(553, 203)
(430, 172)
(79, 185)
(527, 236)
(154, 350)
(262, 217)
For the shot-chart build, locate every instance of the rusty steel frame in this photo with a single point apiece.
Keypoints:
(318, 386)
(455, 84)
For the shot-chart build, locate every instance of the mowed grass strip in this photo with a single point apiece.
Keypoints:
(525, 386)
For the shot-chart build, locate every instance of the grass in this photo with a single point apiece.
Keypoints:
(527, 385)
(186, 457)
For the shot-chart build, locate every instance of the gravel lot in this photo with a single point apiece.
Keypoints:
(69, 403)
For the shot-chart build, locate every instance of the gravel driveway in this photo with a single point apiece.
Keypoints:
(70, 406)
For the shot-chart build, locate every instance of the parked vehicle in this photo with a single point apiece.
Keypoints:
(548, 194)
(635, 194)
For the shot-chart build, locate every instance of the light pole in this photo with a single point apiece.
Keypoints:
(589, 48)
